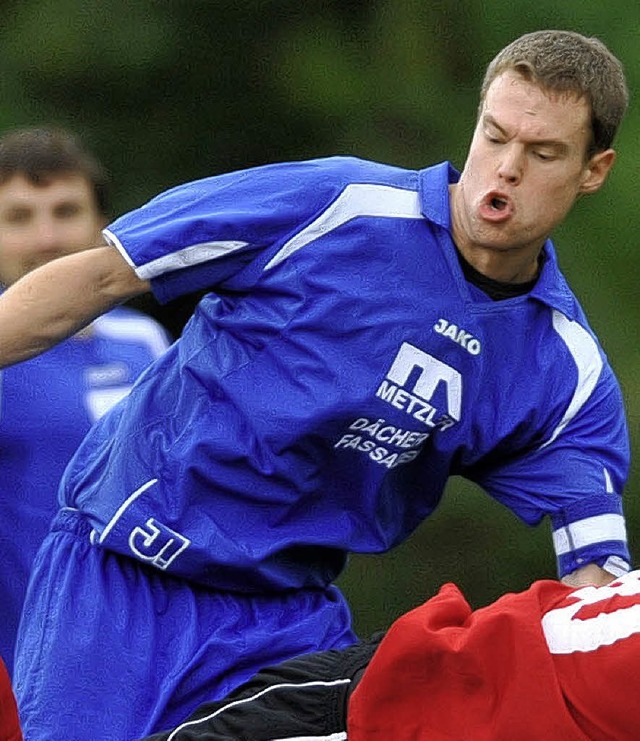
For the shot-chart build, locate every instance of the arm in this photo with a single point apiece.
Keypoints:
(577, 476)
(58, 299)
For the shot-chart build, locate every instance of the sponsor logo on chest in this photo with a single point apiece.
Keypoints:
(411, 385)
(447, 329)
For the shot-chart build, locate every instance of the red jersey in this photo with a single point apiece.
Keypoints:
(9, 724)
(553, 662)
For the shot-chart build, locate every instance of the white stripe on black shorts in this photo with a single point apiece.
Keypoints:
(303, 699)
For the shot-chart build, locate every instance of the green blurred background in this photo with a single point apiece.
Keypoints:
(170, 90)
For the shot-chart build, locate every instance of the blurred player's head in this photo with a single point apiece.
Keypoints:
(568, 63)
(53, 199)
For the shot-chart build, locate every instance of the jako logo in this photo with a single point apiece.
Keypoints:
(468, 341)
(431, 372)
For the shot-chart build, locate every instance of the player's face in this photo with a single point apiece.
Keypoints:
(41, 222)
(527, 164)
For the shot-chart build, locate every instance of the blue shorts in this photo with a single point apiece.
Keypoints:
(111, 648)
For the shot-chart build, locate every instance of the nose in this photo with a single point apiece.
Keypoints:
(46, 236)
(511, 164)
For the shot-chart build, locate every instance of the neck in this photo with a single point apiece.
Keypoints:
(487, 253)
(495, 264)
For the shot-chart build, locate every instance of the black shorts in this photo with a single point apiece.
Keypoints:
(306, 696)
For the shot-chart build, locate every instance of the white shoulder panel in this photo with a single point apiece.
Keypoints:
(357, 199)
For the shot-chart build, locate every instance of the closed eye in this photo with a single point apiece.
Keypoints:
(544, 156)
(494, 138)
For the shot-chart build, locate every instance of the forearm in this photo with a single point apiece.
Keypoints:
(59, 298)
(589, 575)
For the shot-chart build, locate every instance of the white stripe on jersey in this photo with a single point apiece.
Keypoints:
(138, 329)
(194, 254)
(585, 353)
(357, 199)
(567, 632)
(272, 688)
(110, 525)
(590, 530)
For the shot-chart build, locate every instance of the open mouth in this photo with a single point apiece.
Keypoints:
(498, 204)
(496, 207)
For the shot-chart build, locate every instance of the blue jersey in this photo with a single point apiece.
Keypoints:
(337, 373)
(47, 405)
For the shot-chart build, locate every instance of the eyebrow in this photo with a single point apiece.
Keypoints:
(560, 146)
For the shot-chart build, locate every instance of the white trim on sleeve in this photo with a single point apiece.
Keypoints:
(194, 254)
(591, 530)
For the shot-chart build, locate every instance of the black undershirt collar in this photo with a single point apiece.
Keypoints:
(497, 290)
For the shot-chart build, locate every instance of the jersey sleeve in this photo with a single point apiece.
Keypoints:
(576, 477)
(201, 234)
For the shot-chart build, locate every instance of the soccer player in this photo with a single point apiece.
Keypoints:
(553, 662)
(9, 722)
(368, 332)
(53, 202)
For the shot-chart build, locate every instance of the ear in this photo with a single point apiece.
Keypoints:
(596, 171)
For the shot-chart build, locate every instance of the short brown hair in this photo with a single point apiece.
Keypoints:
(570, 63)
(42, 153)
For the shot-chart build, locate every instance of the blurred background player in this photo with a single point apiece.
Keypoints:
(53, 202)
